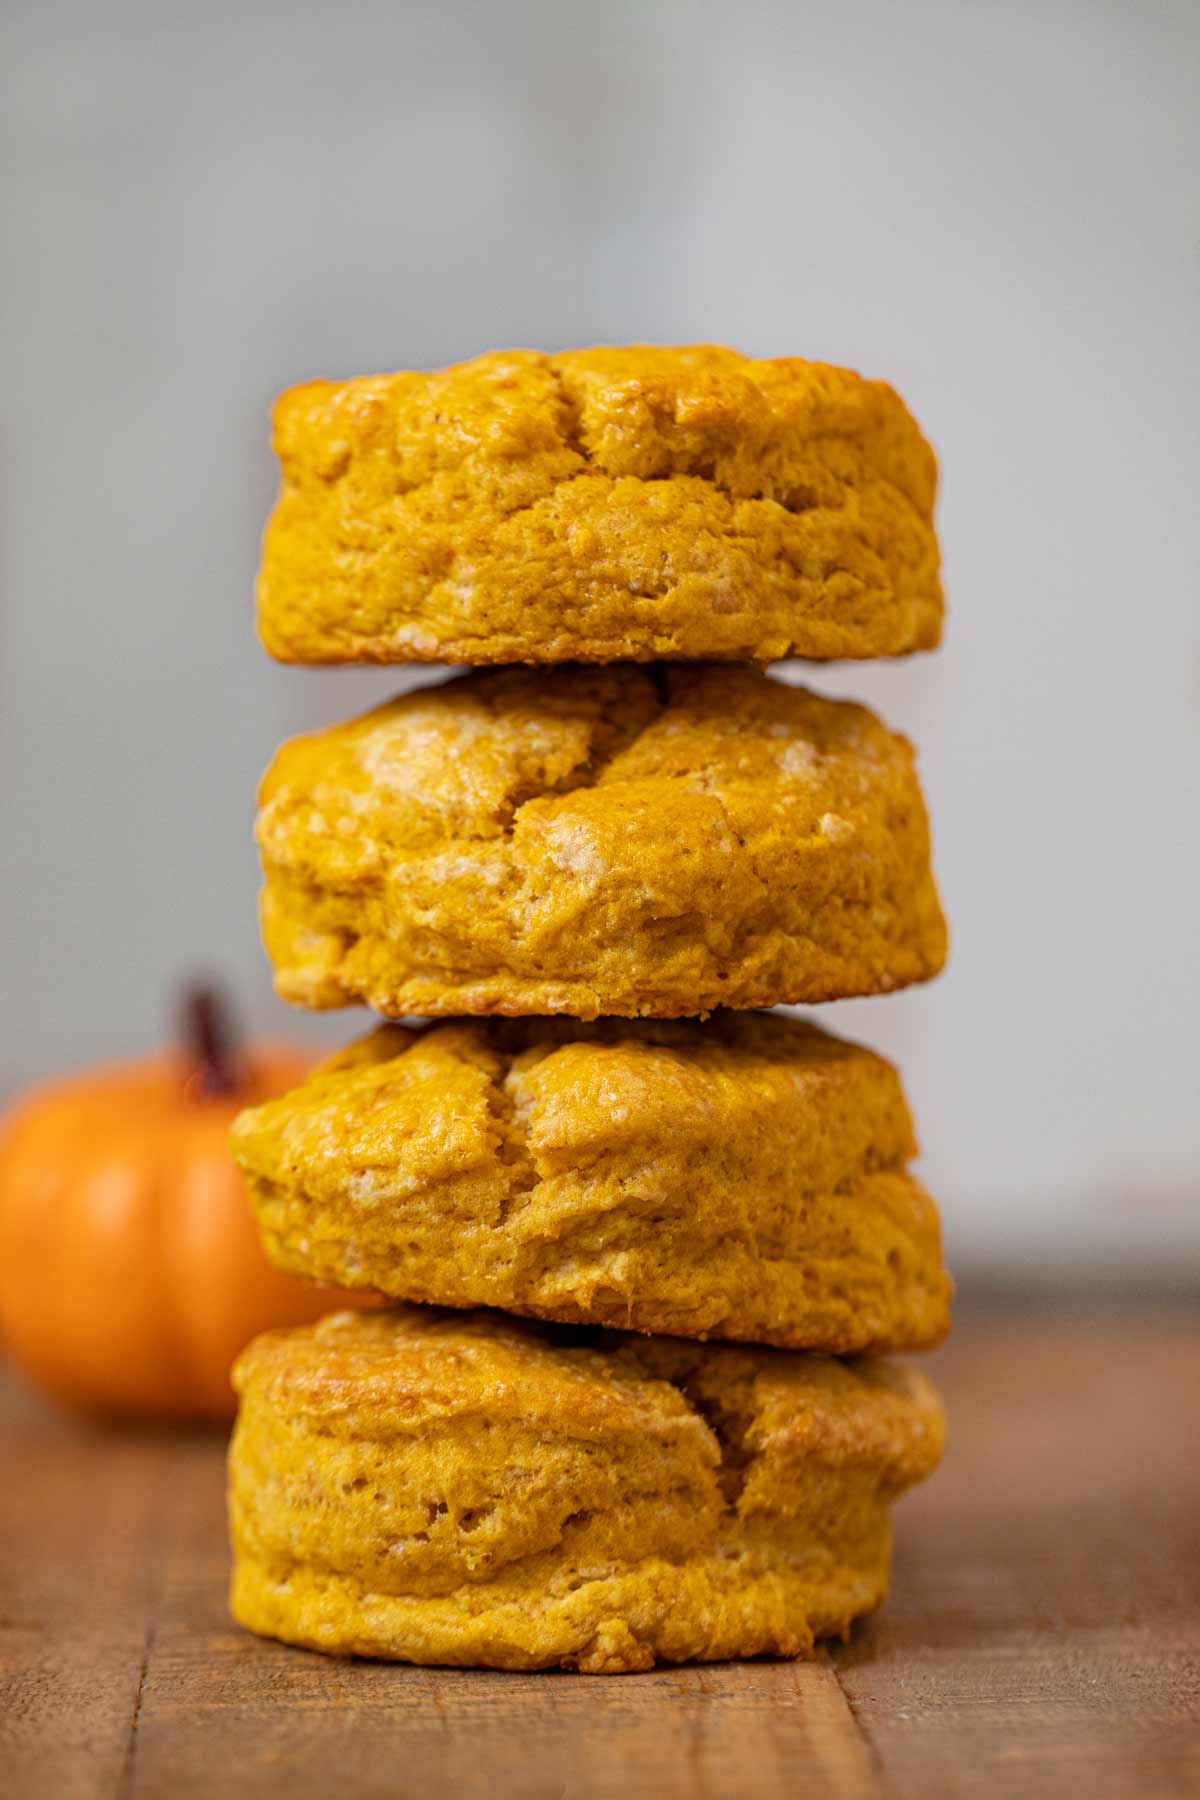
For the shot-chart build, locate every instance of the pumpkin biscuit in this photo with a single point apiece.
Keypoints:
(468, 1490)
(603, 505)
(588, 841)
(743, 1178)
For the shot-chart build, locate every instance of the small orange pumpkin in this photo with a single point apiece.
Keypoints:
(130, 1271)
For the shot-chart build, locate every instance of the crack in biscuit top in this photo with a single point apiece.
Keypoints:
(467, 761)
(744, 1410)
(524, 423)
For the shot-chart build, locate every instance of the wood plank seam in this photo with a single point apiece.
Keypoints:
(125, 1785)
(870, 1752)
(843, 1747)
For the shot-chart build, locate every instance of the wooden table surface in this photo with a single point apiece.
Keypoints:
(1043, 1637)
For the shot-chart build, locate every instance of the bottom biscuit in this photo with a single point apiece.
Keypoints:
(463, 1489)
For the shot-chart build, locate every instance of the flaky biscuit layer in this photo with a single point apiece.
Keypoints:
(743, 1178)
(464, 1489)
(598, 841)
(626, 504)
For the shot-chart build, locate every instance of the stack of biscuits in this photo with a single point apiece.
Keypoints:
(642, 1243)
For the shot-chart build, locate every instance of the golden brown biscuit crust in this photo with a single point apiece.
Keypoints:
(627, 504)
(598, 841)
(743, 1178)
(462, 1489)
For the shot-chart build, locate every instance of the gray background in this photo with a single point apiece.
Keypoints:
(993, 206)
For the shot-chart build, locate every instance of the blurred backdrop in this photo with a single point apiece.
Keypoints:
(993, 207)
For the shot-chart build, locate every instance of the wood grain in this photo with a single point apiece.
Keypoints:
(1044, 1632)
(1043, 1638)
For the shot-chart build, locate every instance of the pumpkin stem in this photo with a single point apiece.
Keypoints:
(208, 1035)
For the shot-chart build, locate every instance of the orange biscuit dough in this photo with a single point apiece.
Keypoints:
(468, 1490)
(598, 841)
(633, 504)
(743, 1178)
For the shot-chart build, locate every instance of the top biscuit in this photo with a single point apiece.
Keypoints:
(632, 504)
